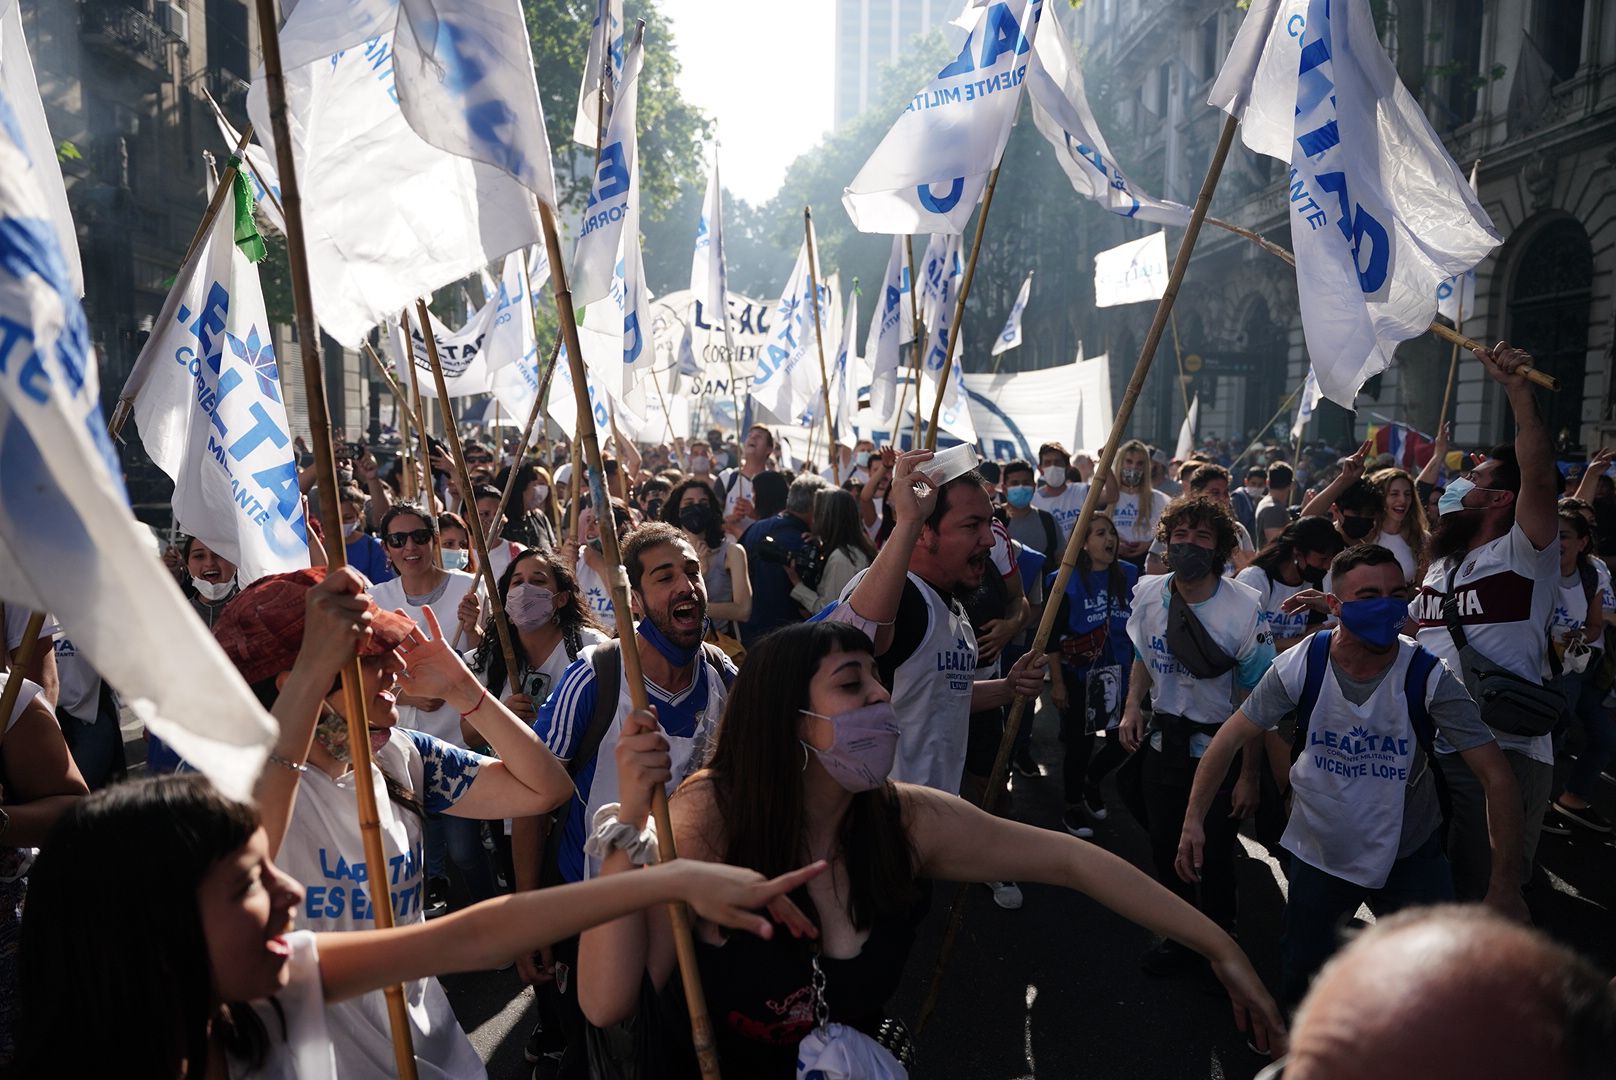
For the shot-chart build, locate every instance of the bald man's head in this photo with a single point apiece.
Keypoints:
(1454, 991)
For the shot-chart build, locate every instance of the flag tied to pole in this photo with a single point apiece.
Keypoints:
(846, 375)
(709, 280)
(613, 197)
(605, 41)
(436, 96)
(930, 169)
(1381, 215)
(1132, 272)
(1186, 432)
(513, 348)
(207, 398)
(891, 327)
(1010, 336)
(68, 542)
(1306, 402)
(257, 168)
(460, 353)
(955, 417)
(786, 381)
(940, 271)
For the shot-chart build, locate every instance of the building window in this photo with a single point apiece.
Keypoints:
(1558, 32)
(1464, 64)
(1550, 291)
(1207, 46)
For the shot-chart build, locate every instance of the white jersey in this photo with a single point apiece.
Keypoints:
(1506, 591)
(1065, 508)
(442, 722)
(1273, 593)
(1131, 525)
(299, 1041)
(1406, 557)
(592, 591)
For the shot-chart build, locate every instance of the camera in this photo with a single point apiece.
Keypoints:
(806, 560)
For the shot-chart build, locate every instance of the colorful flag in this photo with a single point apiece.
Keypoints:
(1010, 336)
(1409, 449)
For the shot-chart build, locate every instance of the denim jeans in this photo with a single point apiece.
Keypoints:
(460, 841)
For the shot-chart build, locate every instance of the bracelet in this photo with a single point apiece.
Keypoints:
(480, 699)
(610, 832)
(276, 759)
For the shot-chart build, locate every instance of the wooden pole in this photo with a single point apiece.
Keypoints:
(577, 485)
(527, 433)
(1453, 367)
(422, 434)
(920, 339)
(473, 521)
(1178, 357)
(402, 407)
(1074, 544)
(1283, 405)
(701, 1028)
(819, 340)
(325, 466)
(959, 308)
(25, 656)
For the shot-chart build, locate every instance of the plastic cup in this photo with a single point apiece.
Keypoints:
(948, 464)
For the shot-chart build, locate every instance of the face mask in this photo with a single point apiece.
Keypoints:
(1313, 575)
(1192, 562)
(1054, 476)
(1377, 621)
(455, 559)
(536, 496)
(696, 518)
(864, 743)
(677, 655)
(862, 459)
(351, 529)
(1019, 496)
(529, 606)
(1254, 490)
(1133, 477)
(1452, 500)
(212, 590)
(653, 509)
(1357, 528)
(700, 463)
(331, 732)
(344, 477)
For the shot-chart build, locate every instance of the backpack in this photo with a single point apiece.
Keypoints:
(1053, 548)
(1317, 666)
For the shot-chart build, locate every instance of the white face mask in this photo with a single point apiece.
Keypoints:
(1254, 490)
(212, 591)
(862, 459)
(455, 558)
(536, 495)
(351, 529)
(1053, 476)
(700, 463)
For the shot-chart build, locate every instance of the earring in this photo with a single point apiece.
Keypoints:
(804, 755)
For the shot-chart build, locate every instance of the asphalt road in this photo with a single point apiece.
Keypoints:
(1055, 990)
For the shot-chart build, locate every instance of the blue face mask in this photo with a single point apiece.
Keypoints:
(1377, 621)
(1019, 496)
(1452, 499)
(677, 655)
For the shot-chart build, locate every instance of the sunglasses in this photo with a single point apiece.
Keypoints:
(422, 537)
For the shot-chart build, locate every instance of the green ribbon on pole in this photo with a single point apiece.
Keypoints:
(246, 234)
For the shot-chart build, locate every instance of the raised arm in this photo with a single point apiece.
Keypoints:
(879, 592)
(1597, 465)
(1352, 468)
(1535, 504)
(1439, 453)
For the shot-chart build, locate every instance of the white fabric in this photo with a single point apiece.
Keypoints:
(20, 91)
(323, 850)
(25, 696)
(1133, 527)
(941, 267)
(207, 399)
(1351, 780)
(78, 692)
(389, 213)
(1273, 593)
(442, 722)
(1570, 613)
(1381, 214)
(1010, 336)
(955, 417)
(787, 375)
(305, 1052)
(605, 40)
(1186, 432)
(1060, 110)
(891, 326)
(930, 169)
(259, 170)
(512, 350)
(1065, 508)
(1131, 273)
(460, 353)
(1306, 402)
(1507, 591)
(68, 542)
(1456, 296)
(612, 194)
(840, 1052)
(709, 279)
(1406, 558)
(593, 592)
(846, 376)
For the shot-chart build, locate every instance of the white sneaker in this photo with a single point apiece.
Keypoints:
(1007, 894)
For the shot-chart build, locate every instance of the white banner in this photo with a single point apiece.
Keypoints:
(460, 354)
(19, 87)
(1091, 382)
(511, 348)
(605, 40)
(68, 542)
(1456, 296)
(613, 198)
(891, 326)
(1132, 272)
(207, 398)
(787, 374)
(845, 377)
(1010, 336)
(690, 340)
(929, 171)
(256, 167)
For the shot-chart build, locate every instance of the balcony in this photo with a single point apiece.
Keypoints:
(126, 33)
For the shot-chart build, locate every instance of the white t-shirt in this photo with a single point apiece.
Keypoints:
(1274, 593)
(1406, 558)
(1506, 593)
(1065, 508)
(741, 489)
(1570, 612)
(79, 684)
(542, 680)
(442, 722)
(299, 1041)
(16, 623)
(592, 591)
(1125, 515)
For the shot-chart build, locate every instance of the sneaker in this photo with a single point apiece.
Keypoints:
(1007, 894)
(1022, 761)
(1168, 957)
(1074, 822)
(542, 1045)
(437, 897)
(1094, 803)
(1586, 816)
(1554, 824)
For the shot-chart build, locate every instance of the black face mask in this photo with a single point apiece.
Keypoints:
(1190, 562)
(1312, 575)
(653, 509)
(1357, 528)
(696, 518)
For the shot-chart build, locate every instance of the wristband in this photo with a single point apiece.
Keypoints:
(479, 704)
(610, 833)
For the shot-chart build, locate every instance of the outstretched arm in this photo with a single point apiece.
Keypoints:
(1352, 468)
(1535, 505)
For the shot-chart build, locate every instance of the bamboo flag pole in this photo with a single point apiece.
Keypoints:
(527, 434)
(330, 509)
(423, 435)
(920, 339)
(473, 521)
(701, 1027)
(959, 307)
(1453, 366)
(577, 485)
(402, 408)
(25, 656)
(1074, 544)
(819, 340)
(1283, 406)
(1178, 357)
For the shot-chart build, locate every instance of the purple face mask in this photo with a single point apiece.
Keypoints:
(529, 606)
(864, 743)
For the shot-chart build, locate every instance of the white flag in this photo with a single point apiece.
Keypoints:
(1456, 296)
(929, 171)
(1186, 432)
(890, 327)
(1131, 272)
(257, 168)
(562, 406)
(1010, 336)
(1381, 215)
(955, 417)
(787, 374)
(390, 211)
(68, 542)
(1257, 82)
(709, 280)
(940, 271)
(1305, 404)
(207, 397)
(605, 40)
(615, 332)
(1060, 110)
(612, 199)
(844, 377)
(460, 353)
(19, 87)
(514, 381)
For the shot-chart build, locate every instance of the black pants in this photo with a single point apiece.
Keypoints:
(1167, 796)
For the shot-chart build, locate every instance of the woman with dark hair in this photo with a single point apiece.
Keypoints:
(210, 582)
(843, 545)
(769, 494)
(216, 983)
(800, 772)
(455, 549)
(530, 513)
(695, 508)
(1576, 630)
(1295, 560)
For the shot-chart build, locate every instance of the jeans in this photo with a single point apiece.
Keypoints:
(461, 840)
(1599, 741)
(1469, 847)
(1165, 803)
(1319, 902)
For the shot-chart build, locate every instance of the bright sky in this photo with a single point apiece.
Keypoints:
(764, 70)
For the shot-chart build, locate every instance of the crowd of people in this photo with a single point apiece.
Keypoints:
(1396, 682)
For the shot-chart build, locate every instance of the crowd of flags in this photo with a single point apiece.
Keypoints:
(408, 186)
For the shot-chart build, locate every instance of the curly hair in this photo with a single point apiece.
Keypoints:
(1193, 510)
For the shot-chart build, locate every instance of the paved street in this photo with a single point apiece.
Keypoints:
(1054, 990)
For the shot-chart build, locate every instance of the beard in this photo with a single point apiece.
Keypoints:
(683, 636)
(1454, 533)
